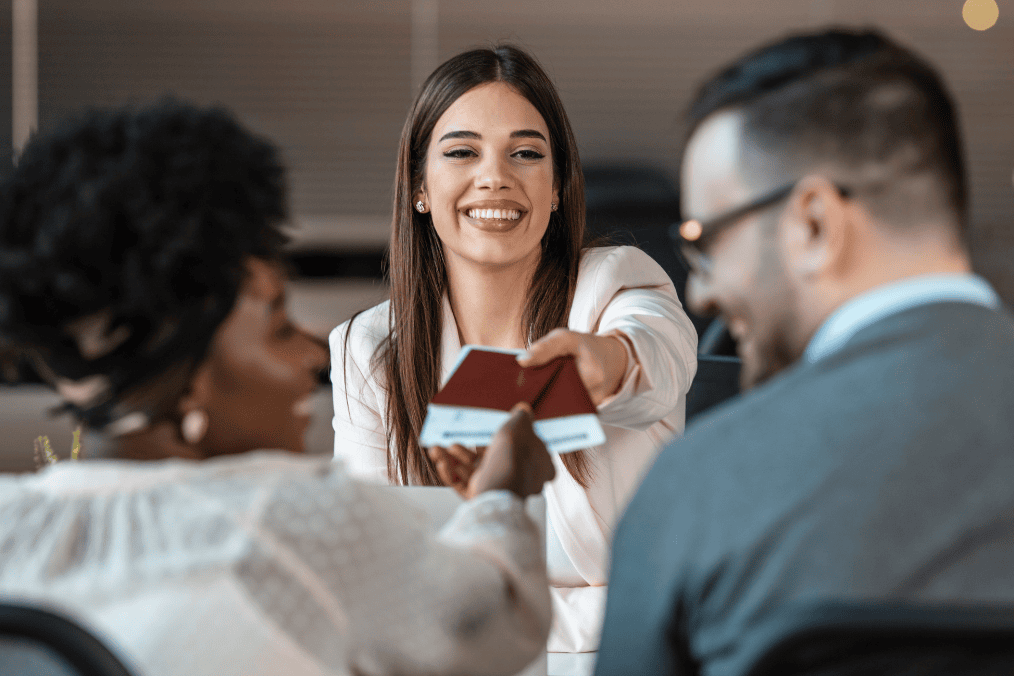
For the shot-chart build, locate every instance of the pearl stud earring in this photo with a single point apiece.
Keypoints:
(194, 426)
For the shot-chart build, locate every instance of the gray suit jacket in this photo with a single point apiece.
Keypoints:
(884, 471)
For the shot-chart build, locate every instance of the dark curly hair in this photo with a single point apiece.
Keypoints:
(141, 220)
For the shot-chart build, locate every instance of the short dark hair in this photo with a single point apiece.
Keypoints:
(854, 99)
(144, 218)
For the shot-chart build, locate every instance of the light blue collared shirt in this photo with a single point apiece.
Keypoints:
(893, 298)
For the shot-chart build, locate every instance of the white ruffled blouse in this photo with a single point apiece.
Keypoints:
(269, 563)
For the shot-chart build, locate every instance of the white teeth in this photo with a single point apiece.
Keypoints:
(495, 214)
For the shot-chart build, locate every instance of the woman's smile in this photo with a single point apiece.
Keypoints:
(495, 216)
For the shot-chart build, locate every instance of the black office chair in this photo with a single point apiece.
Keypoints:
(41, 642)
(718, 368)
(635, 204)
(880, 639)
(717, 379)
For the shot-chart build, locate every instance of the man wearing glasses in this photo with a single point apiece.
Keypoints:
(873, 457)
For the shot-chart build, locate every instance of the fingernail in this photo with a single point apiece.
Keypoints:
(524, 356)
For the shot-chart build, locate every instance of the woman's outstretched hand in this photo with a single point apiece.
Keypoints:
(515, 460)
(601, 360)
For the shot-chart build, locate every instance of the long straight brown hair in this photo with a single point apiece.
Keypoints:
(409, 357)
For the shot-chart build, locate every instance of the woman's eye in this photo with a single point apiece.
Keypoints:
(460, 153)
(528, 154)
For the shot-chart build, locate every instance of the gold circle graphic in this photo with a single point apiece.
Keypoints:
(980, 14)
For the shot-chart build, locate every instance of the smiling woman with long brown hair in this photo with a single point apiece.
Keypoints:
(487, 249)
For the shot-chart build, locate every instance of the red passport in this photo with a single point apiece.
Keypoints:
(486, 383)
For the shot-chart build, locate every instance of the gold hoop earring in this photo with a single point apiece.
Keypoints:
(194, 426)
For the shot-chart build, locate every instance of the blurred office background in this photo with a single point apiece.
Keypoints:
(331, 83)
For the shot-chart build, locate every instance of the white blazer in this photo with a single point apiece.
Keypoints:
(619, 289)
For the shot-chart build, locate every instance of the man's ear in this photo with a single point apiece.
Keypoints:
(815, 232)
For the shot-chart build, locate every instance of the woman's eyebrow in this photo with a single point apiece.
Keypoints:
(459, 134)
(528, 133)
(521, 133)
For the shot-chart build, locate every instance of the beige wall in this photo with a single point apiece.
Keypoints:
(330, 81)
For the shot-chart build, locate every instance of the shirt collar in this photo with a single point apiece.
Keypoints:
(889, 299)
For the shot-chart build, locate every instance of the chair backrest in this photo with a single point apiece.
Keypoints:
(716, 380)
(718, 368)
(42, 642)
(635, 204)
(877, 639)
(24, 656)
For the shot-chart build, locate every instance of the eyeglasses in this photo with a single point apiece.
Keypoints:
(692, 237)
